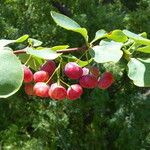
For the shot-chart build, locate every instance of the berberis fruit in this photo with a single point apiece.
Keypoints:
(41, 89)
(88, 81)
(73, 70)
(28, 75)
(29, 89)
(49, 67)
(57, 92)
(74, 92)
(40, 76)
(106, 80)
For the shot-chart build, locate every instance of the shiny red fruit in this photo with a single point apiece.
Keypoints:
(40, 76)
(57, 92)
(29, 89)
(74, 92)
(106, 80)
(41, 89)
(28, 75)
(88, 81)
(49, 67)
(73, 70)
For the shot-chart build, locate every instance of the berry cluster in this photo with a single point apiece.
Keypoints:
(87, 77)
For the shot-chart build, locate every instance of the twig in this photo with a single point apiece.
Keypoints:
(20, 51)
(84, 48)
(72, 49)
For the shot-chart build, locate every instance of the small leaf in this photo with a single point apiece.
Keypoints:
(69, 24)
(33, 63)
(84, 63)
(11, 74)
(34, 42)
(117, 35)
(145, 49)
(44, 53)
(99, 35)
(81, 63)
(107, 52)
(59, 47)
(4, 42)
(22, 38)
(143, 34)
(137, 38)
(139, 71)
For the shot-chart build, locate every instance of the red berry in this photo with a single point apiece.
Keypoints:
(57, 92)
(95, 71)
(88, 81)
(28, 75)
(73, 70)
(41, 76)
(49, 67)
(29, 89)
(74, 92)
(85, 71)
(41, 89)
(106, 80)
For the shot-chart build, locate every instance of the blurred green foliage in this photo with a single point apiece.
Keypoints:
(115, 119)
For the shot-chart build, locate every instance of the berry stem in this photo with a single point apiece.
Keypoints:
(27, 60)
(80, 57)
(87, 58)
(64, 83)
(53, 73)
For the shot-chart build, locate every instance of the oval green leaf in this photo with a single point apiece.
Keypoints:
(59, 47)
(145, 49)
(34, 42)
(107, 52)
(44, 53)
(117, 35)
(99, 35)
(139, 72)
(11, 74)
(137, 38)
(4, 42)
(69, 24)
(22, 38)
(34, 62)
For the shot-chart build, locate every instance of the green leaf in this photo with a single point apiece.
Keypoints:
(34, 42)
(11, 74)
(139, 71)
(143, 34)
(4, 42)
(22, 38)
(84, 63)
(117, 35)
(59, 47)
(107, 51)
(33, 63)
(145, 49)
(137, 38)
(69, 24)
(81, 63)
(99, 35)
(44, 53)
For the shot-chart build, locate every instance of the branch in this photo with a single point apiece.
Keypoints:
(84, 48)
(58, 51)
(19, 51)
